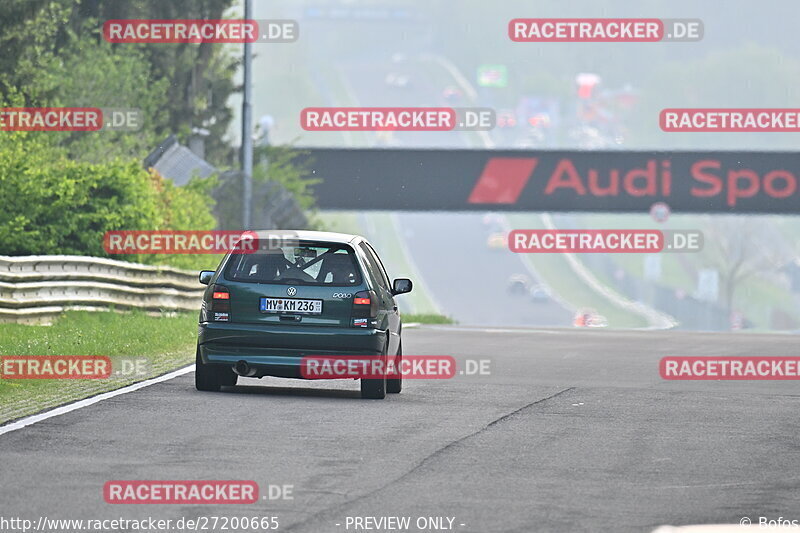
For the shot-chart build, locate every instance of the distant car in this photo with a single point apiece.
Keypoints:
(539, 120)
(309, 293)
(519, 284)
(540, 294)
(589, 318)
(506, 119)
(497, 241)
(393, 79)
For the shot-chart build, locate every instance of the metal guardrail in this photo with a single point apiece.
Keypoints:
(36, 289)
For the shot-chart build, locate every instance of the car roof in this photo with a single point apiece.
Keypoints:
(308, 235)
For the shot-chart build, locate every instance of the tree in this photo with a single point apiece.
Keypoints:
(741, 247)
(54, 54)
(57, 205)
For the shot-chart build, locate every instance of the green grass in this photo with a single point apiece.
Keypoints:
(427, 319)
(558, 275)
(340, 221)
(163, 342)
(756, 296)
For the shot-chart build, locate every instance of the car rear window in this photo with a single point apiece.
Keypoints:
(297, 263)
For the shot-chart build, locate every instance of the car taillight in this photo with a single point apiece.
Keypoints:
(219, 308)
(365, 309)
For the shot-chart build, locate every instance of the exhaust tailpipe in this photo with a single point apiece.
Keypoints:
(241, 368)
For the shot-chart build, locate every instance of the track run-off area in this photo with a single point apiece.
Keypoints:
(569, 430)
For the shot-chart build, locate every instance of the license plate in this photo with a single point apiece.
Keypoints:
(291, 305)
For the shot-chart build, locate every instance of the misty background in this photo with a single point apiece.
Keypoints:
(434, 53)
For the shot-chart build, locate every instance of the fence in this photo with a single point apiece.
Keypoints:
(36, 289)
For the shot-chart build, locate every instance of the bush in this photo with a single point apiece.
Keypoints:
(54, 205)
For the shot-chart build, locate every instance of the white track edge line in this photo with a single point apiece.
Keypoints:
(86, 402)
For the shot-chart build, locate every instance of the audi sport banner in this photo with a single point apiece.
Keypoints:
(524, 180)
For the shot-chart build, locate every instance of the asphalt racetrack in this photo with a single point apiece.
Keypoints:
(571, 431)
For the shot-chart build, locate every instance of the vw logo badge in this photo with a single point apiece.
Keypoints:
(291, 291)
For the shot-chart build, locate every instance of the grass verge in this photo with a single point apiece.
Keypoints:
(379, 228)
(163, 343)
(559, 276)
(427, 318)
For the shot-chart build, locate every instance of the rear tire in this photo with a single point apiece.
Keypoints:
(210, 378)
(394, 383)
(374, 389)
(227, 376)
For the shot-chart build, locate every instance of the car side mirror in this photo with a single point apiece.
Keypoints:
(205, 276)
(401, 286)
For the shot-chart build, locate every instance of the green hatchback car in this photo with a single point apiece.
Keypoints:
(295, 295)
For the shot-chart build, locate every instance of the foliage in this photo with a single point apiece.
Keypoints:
(290, 168)
(96, 74)
(54, 54)
(53, 204)
(409, 318)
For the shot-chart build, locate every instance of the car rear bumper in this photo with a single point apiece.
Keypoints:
(273, 350)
